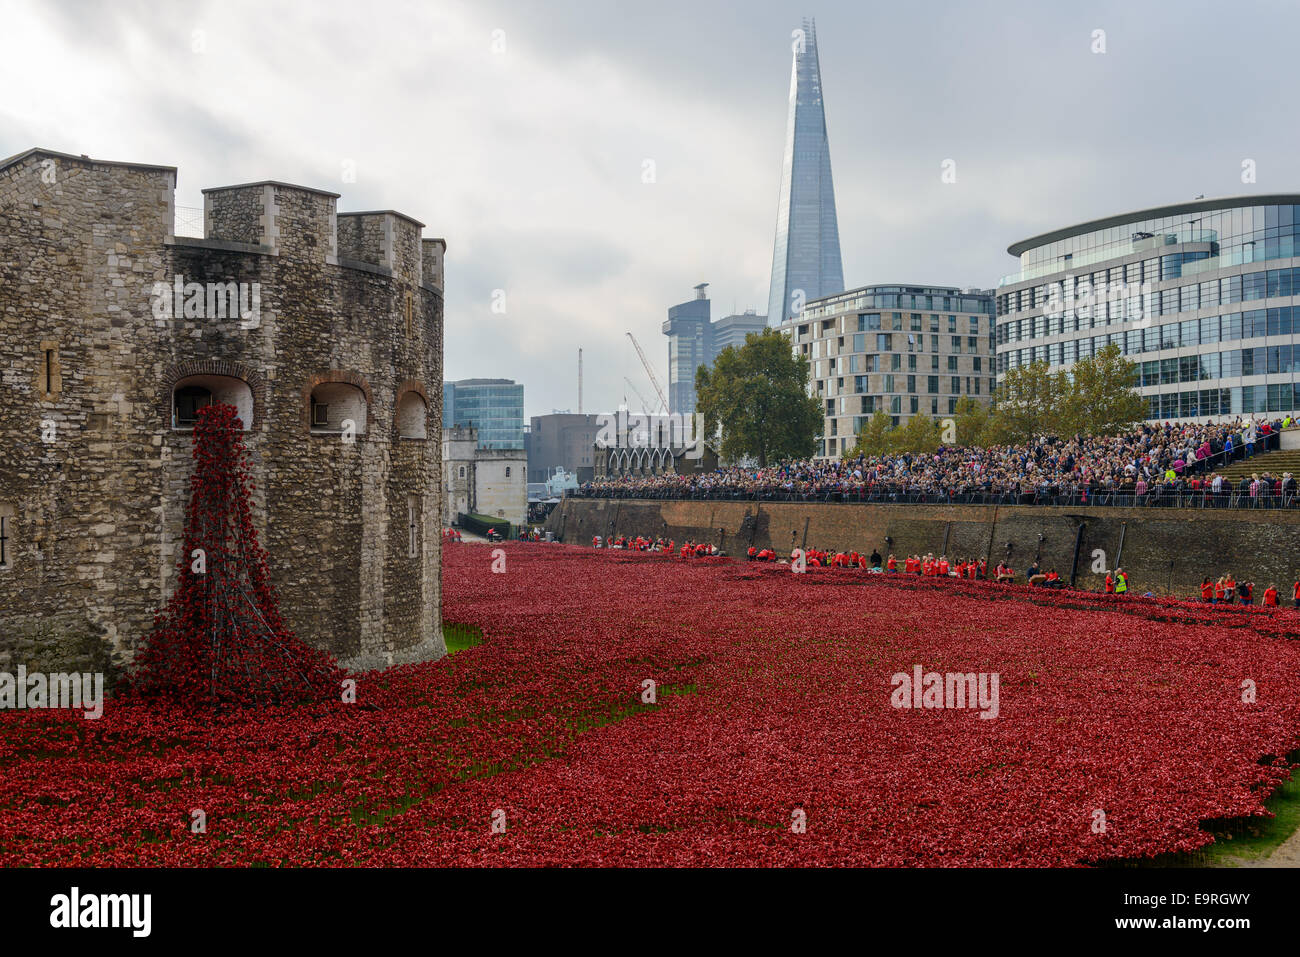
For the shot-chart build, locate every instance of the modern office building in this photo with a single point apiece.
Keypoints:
(806, 255)
(494, 407)
(687, 329)
(695, 340)
(1200, 295)
(561, 440)
(906, 350)
(732, 330)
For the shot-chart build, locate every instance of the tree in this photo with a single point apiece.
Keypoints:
(918, 434)
(1096, 397)
(970, 420)
(1103, 400)
(1029, 402)
(757, 397)
(876, 436)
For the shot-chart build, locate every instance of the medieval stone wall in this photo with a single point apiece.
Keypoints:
(98, 509)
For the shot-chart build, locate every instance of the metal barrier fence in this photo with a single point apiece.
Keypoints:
(1157, 496)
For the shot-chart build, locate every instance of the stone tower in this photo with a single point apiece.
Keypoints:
(323, 328)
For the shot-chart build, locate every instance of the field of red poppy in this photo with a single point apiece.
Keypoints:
(773, 737)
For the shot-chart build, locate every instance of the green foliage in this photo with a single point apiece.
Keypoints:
(757, 398)
(459, 637)
(970, 421)
(1097, 397)
(1103, 400)
(918, 434)
(1030, 401)
(874, 439)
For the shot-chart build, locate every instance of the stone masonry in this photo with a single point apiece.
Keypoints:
(96, 359)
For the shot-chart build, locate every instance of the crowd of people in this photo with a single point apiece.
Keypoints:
(1227, 590)
(1154, 464)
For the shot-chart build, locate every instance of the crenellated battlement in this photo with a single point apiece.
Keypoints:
(114, 331)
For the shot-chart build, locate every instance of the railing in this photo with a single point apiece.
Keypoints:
(188, 222)
(1159, 495)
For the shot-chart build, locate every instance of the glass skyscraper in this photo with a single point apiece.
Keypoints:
(806, 257)
(695, 340)
(493, 406)
(1203, 296)
(687, 330)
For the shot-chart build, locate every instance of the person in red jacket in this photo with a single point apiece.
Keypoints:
(749, 555)
(943, 567)
(1270, 596)
(1110, 584)
(1295, 594)
(984, 568)
(891, 565)
(1207, 590)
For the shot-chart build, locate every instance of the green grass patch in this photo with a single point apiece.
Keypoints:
(1239, 840)
(460, 637)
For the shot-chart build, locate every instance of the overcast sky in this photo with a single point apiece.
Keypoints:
(525, 148)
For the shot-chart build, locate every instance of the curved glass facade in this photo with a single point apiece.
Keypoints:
(1202, 296)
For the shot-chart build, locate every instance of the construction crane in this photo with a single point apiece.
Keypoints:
(654, 381)
(645, 406)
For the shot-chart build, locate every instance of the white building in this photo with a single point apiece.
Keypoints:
(491, 482)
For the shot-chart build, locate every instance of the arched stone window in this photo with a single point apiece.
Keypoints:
(335, 403)
(412, 416)
(193, 392)
(462, 471)
(411, 412)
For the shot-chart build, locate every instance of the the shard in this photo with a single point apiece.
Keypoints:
(806, 258)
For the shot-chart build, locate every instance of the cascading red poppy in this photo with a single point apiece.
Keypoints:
(1146, 716)
(221, 638)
